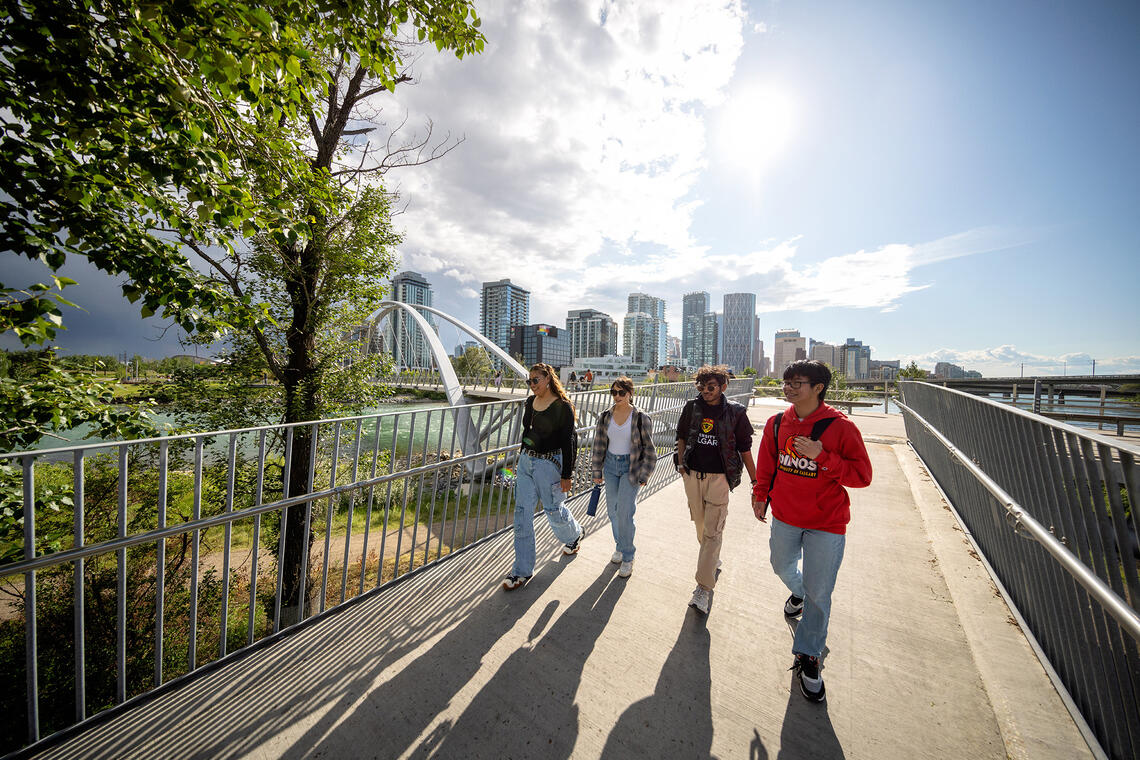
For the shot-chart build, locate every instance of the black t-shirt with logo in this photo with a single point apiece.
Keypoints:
(706, 447)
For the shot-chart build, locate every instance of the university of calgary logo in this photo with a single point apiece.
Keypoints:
(792, 463)
(706, 425)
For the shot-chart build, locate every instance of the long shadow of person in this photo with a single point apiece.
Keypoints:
(806, 731)
(527, 708)
(390, 719)
(676, 720)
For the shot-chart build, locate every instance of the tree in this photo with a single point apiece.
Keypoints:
(749, 372)
(473, 363)
(912, 372)
(220, 129)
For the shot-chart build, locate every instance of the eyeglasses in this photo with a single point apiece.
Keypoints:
(710, 387)
(618, 391)
(797, 384)
(533, 380)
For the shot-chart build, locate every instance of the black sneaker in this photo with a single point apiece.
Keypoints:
(811, 683)
(573, 548)
(512, 582)
(794, 606)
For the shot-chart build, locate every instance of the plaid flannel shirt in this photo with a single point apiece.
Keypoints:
(642, 454)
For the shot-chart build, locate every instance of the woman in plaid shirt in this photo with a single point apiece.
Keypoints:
(623, 458)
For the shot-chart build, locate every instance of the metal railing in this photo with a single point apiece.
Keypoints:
(1011, 476)
(144, 562)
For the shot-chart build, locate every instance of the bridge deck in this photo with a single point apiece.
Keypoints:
(924, 661)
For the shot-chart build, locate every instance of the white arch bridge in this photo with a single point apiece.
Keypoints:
(471, 436)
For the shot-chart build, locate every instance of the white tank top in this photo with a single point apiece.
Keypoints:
(620, 435)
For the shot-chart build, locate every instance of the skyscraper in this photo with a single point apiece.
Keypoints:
(592, 333)
(855, 360)
(407, 344)
(644, 330)
(540, 343)
(826, 353)
(501, 305)
(789, 346)
(739, 338)
(694, 307)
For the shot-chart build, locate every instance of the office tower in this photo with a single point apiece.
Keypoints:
(502, 305)
(739, 337)
(789, 345)
(694, 306)
(644, 330)
(591, 333)
(760, 362)
(855, 360)
(406, 343)
(673, 355)
(541, 343)
(826, 353)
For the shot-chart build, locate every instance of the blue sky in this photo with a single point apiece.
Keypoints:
(943, 181)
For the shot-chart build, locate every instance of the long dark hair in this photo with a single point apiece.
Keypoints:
(555, 385)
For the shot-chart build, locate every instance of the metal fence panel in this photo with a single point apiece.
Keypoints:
(162, 556)
(1012, 476)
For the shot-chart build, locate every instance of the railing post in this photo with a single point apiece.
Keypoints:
(1103, 392)
(1037, 397)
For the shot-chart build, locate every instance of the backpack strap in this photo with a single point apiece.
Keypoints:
(820, 426)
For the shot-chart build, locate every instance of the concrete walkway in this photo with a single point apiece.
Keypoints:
(925, 660)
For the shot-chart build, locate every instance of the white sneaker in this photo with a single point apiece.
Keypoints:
(701, 599)
(616, 558)
(626, 569)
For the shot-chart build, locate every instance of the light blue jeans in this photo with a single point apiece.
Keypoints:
(539, 480)
(621, 502)
(822, 552)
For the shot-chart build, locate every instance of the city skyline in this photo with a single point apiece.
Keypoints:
(949, 184)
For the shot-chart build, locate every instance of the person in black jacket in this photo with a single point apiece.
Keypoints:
(714, 441)
(546, 463)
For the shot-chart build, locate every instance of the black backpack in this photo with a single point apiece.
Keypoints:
(816, 432)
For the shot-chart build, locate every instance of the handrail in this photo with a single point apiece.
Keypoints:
(1108, 599)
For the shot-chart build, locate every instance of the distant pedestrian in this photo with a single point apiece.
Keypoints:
(589, 377)
(573, 381)
(623, 458)
(807, 455)
(714, 442)
(498, 379)
(546, 464)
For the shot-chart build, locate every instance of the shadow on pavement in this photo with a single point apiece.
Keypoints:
(527, 708)
(676, 720)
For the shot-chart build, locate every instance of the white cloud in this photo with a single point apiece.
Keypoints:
(1007, 360)
(581, 136)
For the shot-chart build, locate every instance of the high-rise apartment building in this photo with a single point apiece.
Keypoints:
(403, 338)
(761, 362)
(855, 360)
(788, 348)
(739, 337)
(592, 333)
(673, 354)
(694, 346)
(644, 330)
(502, 305)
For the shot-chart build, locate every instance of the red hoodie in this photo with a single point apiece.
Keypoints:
(810, 494)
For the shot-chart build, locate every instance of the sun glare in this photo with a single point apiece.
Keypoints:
(755, 125)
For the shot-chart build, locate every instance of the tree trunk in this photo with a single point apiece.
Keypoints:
(301, 383)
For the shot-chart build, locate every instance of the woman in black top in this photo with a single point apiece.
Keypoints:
(546, 462)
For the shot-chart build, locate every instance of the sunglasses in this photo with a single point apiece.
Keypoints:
(618, 391)
(710, 387)
(533, 380)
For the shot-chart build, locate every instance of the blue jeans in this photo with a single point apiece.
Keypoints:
(822, 553)
(539, 480)
(621, 502)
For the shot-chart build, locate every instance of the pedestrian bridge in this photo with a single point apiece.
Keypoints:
(925, 657)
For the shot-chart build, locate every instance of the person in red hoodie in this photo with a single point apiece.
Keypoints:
(808, 456)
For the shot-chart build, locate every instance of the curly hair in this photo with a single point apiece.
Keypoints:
(555, 385)
(718, 372)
